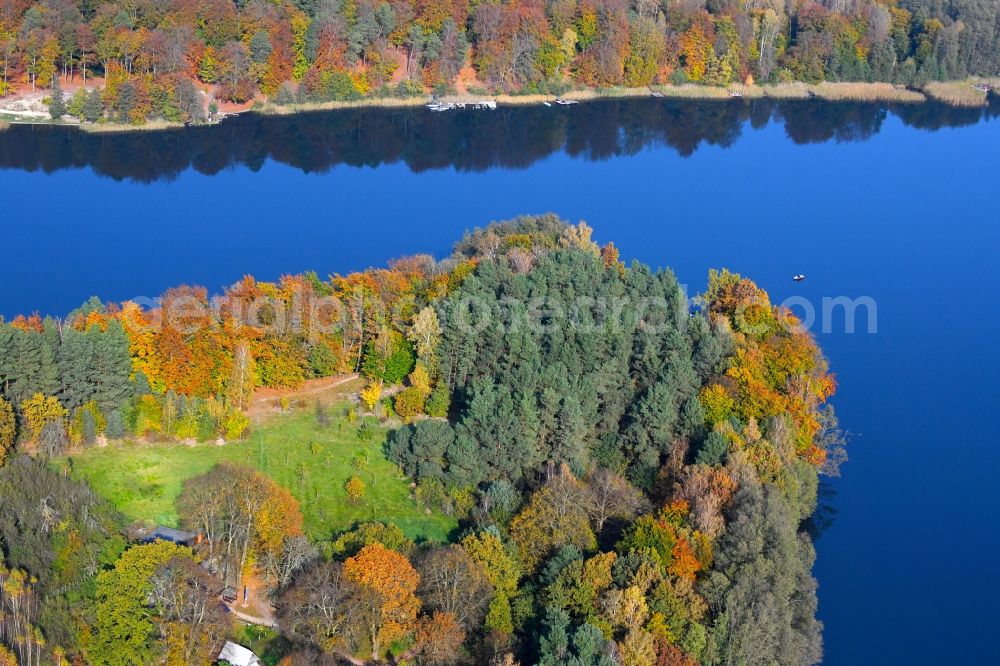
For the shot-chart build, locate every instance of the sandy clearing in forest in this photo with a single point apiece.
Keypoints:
(267, 401)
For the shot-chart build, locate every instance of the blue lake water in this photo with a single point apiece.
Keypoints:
(899, 205)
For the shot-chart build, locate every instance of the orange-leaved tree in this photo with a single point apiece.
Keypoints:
(389, 603)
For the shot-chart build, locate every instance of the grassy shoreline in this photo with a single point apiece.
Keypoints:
(860, 92)
(957, 94)
(120, 128)
(954, 93)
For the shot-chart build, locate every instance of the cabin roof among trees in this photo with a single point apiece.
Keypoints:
(237, 655)
(161, 533)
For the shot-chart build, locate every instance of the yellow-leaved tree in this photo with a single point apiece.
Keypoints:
(39, 410)
(371, 394)
(8, 429)
(554, 517)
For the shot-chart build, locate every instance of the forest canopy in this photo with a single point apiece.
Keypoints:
(151, 54)
(631, 471)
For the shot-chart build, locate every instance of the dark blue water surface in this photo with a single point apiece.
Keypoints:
(899, 205)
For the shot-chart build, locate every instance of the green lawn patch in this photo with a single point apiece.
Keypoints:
(314, 463)
(268, 644)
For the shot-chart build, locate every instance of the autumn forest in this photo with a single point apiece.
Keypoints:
(625, 475)
(158, 59)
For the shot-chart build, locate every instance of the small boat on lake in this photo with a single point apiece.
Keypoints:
(566, 102)
(655, 93)
(798, 277)
(546, 104)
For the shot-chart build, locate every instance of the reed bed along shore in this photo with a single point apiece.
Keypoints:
(867, 92)
(958, 93)
(373, 102)
(855, 92)
(118, 128)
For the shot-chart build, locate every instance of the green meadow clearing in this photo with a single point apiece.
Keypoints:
(313, 462)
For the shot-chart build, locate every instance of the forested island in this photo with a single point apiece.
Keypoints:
(528, 452)
(190, 60)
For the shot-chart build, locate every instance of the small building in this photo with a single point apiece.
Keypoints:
(180, 537)
(229, 594)
(237, 655)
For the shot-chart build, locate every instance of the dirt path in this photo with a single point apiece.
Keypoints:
(258, 610)
(269, 621)
(268, 400)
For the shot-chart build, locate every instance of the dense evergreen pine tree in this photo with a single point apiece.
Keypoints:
(570, 359)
